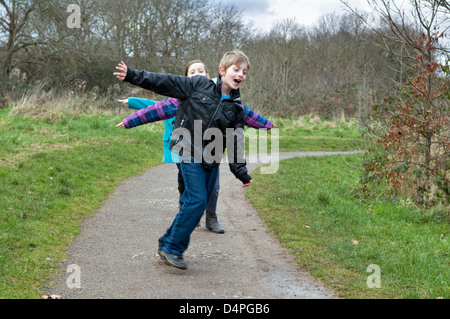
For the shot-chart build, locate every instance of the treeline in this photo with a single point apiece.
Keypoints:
(391, 69)
(332, 68)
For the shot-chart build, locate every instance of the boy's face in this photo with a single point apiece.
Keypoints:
(197, 69)
(234, 76)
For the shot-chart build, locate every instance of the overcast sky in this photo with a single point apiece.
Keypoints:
(264, 13)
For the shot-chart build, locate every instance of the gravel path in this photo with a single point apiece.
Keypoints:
(116, 252)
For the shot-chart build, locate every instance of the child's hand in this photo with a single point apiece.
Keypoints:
(248, 184)
(122, 67)
(119, 125)
(123, 101)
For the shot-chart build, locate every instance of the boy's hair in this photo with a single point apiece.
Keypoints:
(194, 62)
(235, 57)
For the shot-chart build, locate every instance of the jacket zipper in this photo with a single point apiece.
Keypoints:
(214, 114)
(212, 118)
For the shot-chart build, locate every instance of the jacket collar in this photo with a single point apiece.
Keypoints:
(235, 94)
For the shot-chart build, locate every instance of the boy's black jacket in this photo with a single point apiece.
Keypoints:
(201, 100)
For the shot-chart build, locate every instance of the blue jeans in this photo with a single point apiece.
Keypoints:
(199, 181)
(212, 203)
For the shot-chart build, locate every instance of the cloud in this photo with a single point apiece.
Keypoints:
(265, 13)
(251, 7)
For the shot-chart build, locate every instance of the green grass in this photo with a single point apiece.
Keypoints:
(52, 176)
(312, 134)
(55, 173)
(309, 206)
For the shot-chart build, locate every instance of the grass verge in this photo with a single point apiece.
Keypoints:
(310, 133)
(53, 175)
(310, 208)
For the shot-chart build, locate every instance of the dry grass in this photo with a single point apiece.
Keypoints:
(52, 106)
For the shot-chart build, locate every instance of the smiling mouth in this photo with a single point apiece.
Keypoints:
(237, 82)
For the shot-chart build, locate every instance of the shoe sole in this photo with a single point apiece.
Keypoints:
(167, 261)
(212, 230)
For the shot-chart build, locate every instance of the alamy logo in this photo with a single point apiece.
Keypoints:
(208, 146)
(74, 20)
(374, 280)
(74, 279)
(258, 141)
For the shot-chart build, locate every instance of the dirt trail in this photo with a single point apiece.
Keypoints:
(117, 249)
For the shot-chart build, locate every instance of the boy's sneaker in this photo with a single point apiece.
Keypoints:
(172, 260)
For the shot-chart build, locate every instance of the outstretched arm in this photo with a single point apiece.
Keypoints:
(135, 103)
(157, 112)
(255, 120)
(180, 87)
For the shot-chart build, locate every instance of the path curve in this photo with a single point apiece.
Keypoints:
(116, 250)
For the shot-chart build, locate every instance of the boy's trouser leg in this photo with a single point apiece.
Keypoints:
(199, 181)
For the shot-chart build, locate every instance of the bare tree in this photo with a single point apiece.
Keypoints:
(14, 16)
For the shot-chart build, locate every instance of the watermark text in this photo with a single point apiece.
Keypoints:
(74, 20)
(74, 279)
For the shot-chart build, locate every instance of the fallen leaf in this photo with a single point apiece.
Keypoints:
(51, 297)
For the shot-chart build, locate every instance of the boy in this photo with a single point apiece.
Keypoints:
(205, 104)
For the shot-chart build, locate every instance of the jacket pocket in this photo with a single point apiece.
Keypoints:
(203, 100)
(229, 113)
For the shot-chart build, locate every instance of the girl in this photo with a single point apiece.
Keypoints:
(150, 112)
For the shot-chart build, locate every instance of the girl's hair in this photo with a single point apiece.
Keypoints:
(235, 57)
(194, 62)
